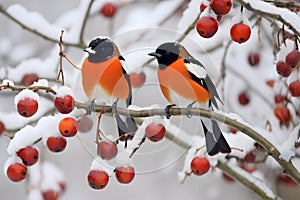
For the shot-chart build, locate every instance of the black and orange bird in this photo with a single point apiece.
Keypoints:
(106, 81)
(184, 80)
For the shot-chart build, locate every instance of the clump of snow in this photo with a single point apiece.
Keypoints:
(290, 17)
(41, 82)
(34, 20)
(26, 94)
(52, 176)
(100, 164)
(287, 149)
(123, 158)
(63, 91)
(8, 82)
(188, 16)
(48, 126)
(23, 138)
(35, 194)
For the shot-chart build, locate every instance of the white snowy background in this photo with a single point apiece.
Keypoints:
(138, 29)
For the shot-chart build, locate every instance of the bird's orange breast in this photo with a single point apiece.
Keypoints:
(176, 77)
(108, 75)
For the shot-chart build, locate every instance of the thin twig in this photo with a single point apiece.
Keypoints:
(61, 54)
(84, 22)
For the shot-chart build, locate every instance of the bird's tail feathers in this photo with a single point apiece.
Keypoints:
(215, 141)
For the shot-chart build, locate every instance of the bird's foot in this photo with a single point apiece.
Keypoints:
(91, 106)
(167, 110)
(188, 109)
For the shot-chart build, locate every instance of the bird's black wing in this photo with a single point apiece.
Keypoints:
(203, 80)
(129, 126)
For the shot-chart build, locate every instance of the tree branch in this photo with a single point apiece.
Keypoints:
(284, 4)
(269, 147)
(247, 181)
(269, 16)
(36, 32)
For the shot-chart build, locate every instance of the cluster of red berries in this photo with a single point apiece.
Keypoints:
(208, 23)
(107, 150)
(285, 67)
(17, 171)
(98, 179)
(68, 127)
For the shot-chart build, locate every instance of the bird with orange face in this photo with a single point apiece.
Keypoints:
(183, 80)
(105, 79)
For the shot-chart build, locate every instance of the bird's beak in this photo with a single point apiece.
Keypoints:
(157, 55)
(90, 50)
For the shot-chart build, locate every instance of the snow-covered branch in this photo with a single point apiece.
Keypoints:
(271, 12)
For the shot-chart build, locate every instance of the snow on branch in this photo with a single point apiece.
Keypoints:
(255, 184)
(267, 10)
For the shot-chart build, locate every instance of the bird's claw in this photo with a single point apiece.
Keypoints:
(167, 110)
(114, 106)
(91, 106)
(188, 109)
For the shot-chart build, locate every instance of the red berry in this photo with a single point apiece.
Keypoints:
(284, 179)
(125, 174)
(270, 83)
(68, 127)
(85, 124)
(249, 167)
(200, 166)
(2, 127)
(29, 155)
(227, 178)
(107, 150)
(109, 10)
(293, 58)
(253, 58)
(221, 7)
(279, 98)
(283, 114)
(137, 79)
(207, 26)
(27, 107)
(233, 130)
(56, 144)
(62, 186)
(243, 98)
(240, 32)
(29, 79)
(155, 132)
(16, 172)
(294, 88)
(64, 104)
(250, 157)
(202, 7)
(97, 179)
(283, 69)
(50, 195)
